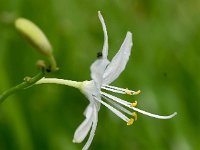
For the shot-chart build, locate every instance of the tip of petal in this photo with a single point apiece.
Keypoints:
(74, 141)
(129, 33)
(129, 36)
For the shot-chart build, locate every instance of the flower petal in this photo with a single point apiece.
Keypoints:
(99, 66)
(105, 46)
(92, 132)
(97, 71)
(118, 63)
(83, 129)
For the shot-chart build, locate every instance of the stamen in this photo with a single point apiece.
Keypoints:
(114, 87)
(130, 122)
(129, 92)
(115, 111)
(137, 92)
(113, 90)
(126, 91)
(118, 100)
(134, 104)
(154, 115)
(117, 105)
(127, 104)
(135, 115)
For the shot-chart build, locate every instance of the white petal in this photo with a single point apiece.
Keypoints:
(88, 111)
(105, 46)
(83, 129)
(97, 71)
(118, 63)
(99, 66)
(92, 132)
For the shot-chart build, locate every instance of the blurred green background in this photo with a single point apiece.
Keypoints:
(164, 65)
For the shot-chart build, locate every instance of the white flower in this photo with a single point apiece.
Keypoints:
(103, 73)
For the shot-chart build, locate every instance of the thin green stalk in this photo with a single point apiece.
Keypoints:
(75, 84)
(27, 83)
(52, 62)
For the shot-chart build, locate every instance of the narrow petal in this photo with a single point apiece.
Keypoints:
(118, 63)
(99, 66)
(97, 71)
(83, 129)
(105, 46)
(88, 111)
(92, 132)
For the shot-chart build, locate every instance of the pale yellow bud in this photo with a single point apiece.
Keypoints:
(34, 35)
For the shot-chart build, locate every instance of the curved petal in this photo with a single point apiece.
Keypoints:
(118, 63)
(83, 129)
(88, 110)
(92, 132)
(97, 71)
(105, 46)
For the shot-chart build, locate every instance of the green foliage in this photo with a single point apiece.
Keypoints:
(164, 65)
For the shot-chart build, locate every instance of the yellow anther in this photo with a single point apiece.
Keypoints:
(131, 92)
(135, 115)
(134, 104)
(137, 92)
(130, 122)
(128, 92)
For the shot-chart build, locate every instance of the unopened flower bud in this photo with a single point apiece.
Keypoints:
(34, 35)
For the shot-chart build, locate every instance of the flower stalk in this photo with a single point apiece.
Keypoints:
(70, 83)
(34, 35)
(27, 83)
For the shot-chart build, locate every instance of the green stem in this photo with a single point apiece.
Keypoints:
(71, 83)
(53, 63)
(21, 86)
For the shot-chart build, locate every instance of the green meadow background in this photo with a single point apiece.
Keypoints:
(164, 65)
